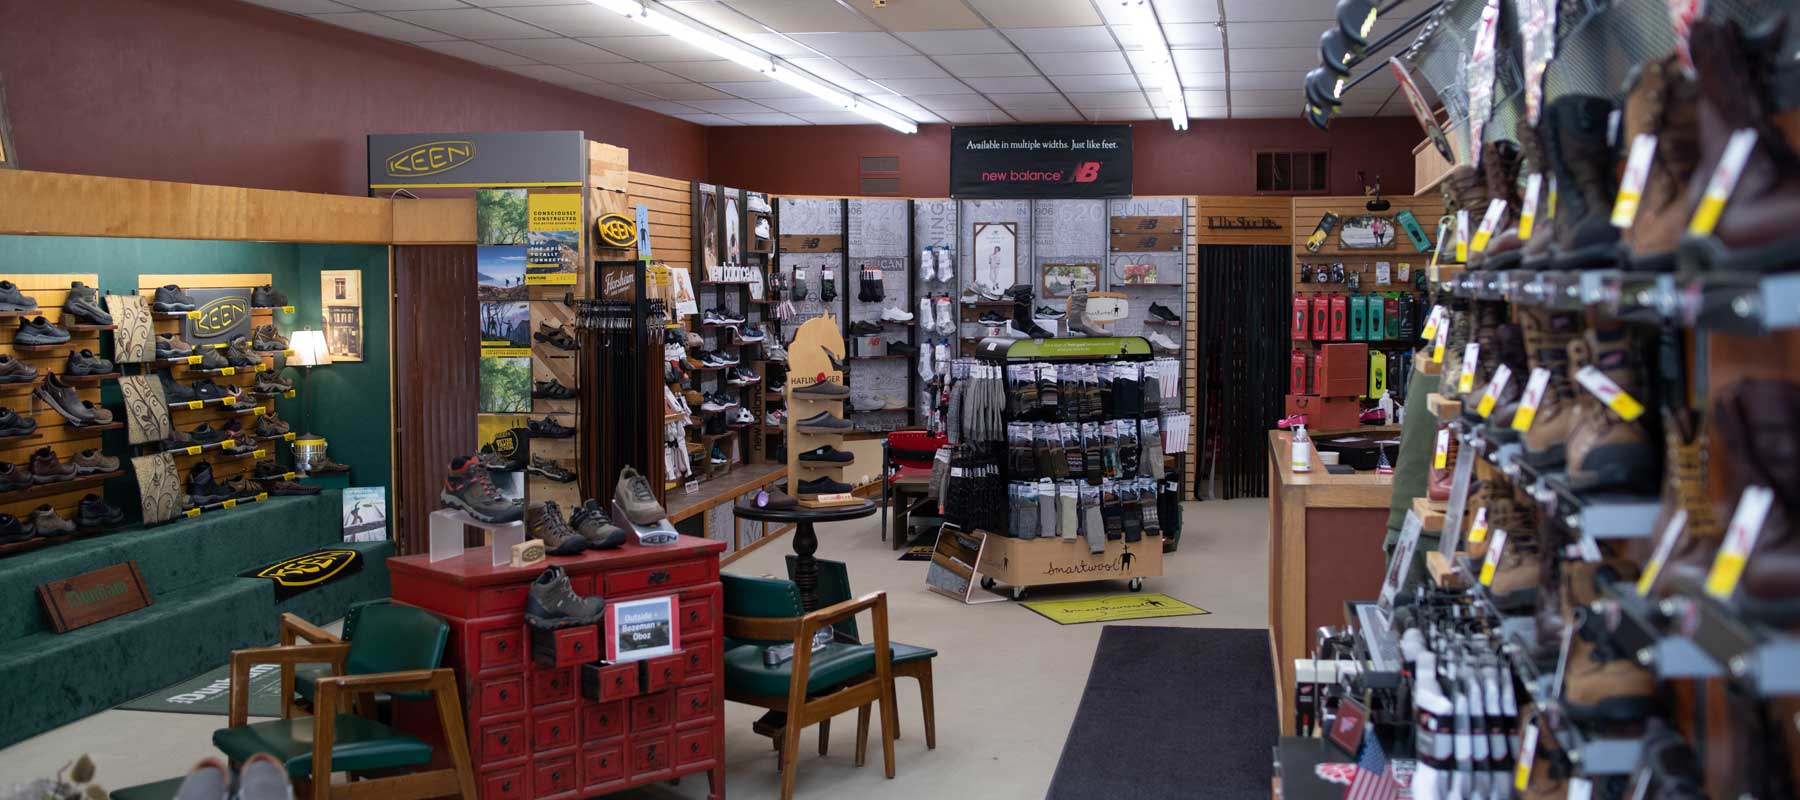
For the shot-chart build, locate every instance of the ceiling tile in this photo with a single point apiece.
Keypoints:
(556, 51)
(681, 91)
(1179, 11)
(505, 3)
(1207, 80)
(855, 44)
(624, 73)
(1291, 98)
(830, 70)
(802, 16)
(758, 90)
(1189, 60)
(942, 104)
(1274, 34)
(1100, 63)
(1087, 100)
(1062, 40)
(1198, 113)
(664, 107)
(478, 53)
(729, 107)
(584, 19)
(377, 25)
(1050, 115)
(1096, 83)
(976, 117)
(708, 119)
(1037, 13)
(776, 44)
(548, 74)
(472, 23)
(302, 6)
(1014, 85)
(835, 118)
(708, 71)
(992, 65)
(902, 106)
(1196, 35)
(895, 67)
(947, 43)
(1262, 80)
(1267, 59)
(623, 94)
(923, 15)
(1266, 112)
(403, 5)
(650, 48)
(1277, 11)
(1201, 98)
(795, 105)
(715, 16)
(917, 87)
(769, 118)
(1033, 100)
(1141, 111)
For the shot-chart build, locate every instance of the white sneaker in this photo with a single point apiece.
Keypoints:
(762, 229)
(926, 323)
(758, 204)
(1162, 342)
(946, 316)
(894, 314)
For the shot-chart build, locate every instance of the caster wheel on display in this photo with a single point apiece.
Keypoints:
(987, 583)
(1018, 592)
(1136, 584)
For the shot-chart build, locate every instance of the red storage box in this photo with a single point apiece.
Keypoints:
(1343, 370)
(1326, 413)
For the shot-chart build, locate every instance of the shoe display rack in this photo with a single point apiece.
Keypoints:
(718, 441)
(1606, 503)
(761, 230)
(817, 356)
(880, 326)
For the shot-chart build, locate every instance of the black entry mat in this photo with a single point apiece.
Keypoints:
(1172, 713)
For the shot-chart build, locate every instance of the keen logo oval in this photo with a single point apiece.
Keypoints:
(221, 315)
(616, 230)
(431, 158)
(308, 570)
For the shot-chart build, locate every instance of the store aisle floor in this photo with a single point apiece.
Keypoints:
(1007, 680)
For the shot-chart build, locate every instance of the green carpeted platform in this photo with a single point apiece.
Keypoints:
(202, 610)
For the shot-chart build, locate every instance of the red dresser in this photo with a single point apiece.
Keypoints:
(532, 732)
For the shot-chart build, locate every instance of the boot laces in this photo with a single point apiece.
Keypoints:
(486, 484)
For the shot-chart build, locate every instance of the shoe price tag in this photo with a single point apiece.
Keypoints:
(1465, 382)
(1527, 754)
(1724, 179)
(196, 404)
(1478, 528)
(1580, 789)
(288, 393)
(1534, 185)
(262, 367)
(1664, 546)
(228, 371)
(287, 437)
(1496, 385)
(191, 513)
(1489, 221)
(1492, 562)
(1622, 403)
(229, 503)
(258, 411)
(1740, 538)
(1631, 184)
(1442, 457)
(193, 315)
(228, 445)
(261, 496)
(192, 360)
(1529, 400)
(194, 450)
(1462, 236)
(258, 453)
(1431, 322)
(1437, 343)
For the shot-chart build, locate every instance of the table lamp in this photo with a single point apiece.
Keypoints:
(309, 351)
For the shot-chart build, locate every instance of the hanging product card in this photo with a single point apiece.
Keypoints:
(505, 329)
(500, 217)
(1740, 538)
(1437, 343)
(1441, 456)
(1410, 224)
(1384, 272)
(553, 238)
(1404, 273)
(1664, 546)
(1723, 180)
(1537, 35)
(1496, 385)
(682, 279)
(1489, 221)
(1527, 754)
(1462, 236)
(1460, 480)
(1591, 378)
(1534, 184)
(1431, 322)
(1478, 528)
(1530, 399)
(1481, 77)
(1492, 562)
(1682, 14)
(1321, 232)
(340, 301)
(1631, 184)
(1400, 562)
(1465, 382)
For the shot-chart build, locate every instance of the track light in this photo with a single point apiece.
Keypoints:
(1324, 87)
(1317, 115)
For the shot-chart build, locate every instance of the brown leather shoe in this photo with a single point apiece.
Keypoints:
(1605, 450)
(1489, 316)
(47, 468)
(1548, 335)
(62, 399)
(1603, 683)
(45, 522)
(13, 370)
(1521, 568)
(1663, 103)
(1759, 425)
(92, 461)
(1437, 481)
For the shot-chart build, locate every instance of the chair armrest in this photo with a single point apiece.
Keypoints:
(874, 602)
(407, 681)
(287, 657)
(294, 627)
(833, 614)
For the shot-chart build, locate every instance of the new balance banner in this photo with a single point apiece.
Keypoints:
(1040, 161)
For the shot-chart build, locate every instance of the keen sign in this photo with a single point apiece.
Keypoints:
(430, 159)
(477, 160)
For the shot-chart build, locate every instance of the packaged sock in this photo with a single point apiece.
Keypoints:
(877, 286)
(946, 317)
(1046, 498)
(1043, 450)
(1112, 511)
(1128, 448)
(1150, 453)
(828, 285)
(1092, 447)
(1066, 516)
(1070, 436)
(926, 323)
(1049, 391)
(799, 284)
(927, 264)
(1028, 511)
(1092, 523)
(1109, 449)
(946, 265)
(1131, 515)
(1012, 506)
(1149, 501)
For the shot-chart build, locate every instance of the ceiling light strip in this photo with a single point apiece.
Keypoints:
(752, 58)
(1149, 34)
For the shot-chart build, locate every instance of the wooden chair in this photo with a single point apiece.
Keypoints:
(812, 687)
(910, 661)
(391, 641)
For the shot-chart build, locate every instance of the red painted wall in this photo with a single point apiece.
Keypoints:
(1212, 157)
(222, 92)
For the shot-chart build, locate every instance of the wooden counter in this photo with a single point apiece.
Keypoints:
(1325, 535)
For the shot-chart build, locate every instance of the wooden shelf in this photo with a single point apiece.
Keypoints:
(171, 314)
(20, 388)
(44, 348)
(79, 326)
(85, 429)
(87, 380)
(724, 489)
(59, 487)
(23, 437)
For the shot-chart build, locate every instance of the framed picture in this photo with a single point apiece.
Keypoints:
(996, 254)
(340, 301)
(1061, 280)
(734, 218)
(706, 200)
(640, 629)
(9, 159)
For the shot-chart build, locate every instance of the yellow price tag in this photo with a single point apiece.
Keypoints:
(1631, 184)
(1724, 179)
(1496, 385)
(192, 512)
(1552, 204)
(288, 393)
(261, 496)
(1740, 538)
(1486, 407)
(1492, 563)
(192, 360)
(1437, 345)
(261, 367)
(1653, 568)
(258, 453)
(287, 309)
(1478, 528)
(1528, 210)
(1489, 222)
(194, 450)
(1462, 236)
(1527, 754)
(193, 315)
(1431, 322)
(229, 503)
(1621, 402)
(227, 445)
(1442, 457)
(1465, 382)
(228, 371)
(287, 437)
(196, 404)
(1530, 399)
(258, 411)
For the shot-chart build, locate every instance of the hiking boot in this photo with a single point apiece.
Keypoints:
(1516, 579)
(555, 336)
(1606, 451)
(35, 331)
(11, 424)
(270, 383)
(287, 488)
(13, 370)
(551, 390)
(267, 338)
(323, 465)
(1537, 251)
(1437, 481)
(270, 425)
(62, 399)
(12, 531)
(468, 487)
(1548, 336)
(202, 489)
(240, 354)
(1509, 347)
(633, 495)
(549, 428)
(171, 299)
(547, 525)
(549, 470)
(1465, 189)
(241, 486)
(14, 477)
(1603, 683)
(821, 486)
(269, 469)
(1585, 182)
(91, 461)
(171, 345)
(1462, 328)
(84, 362)
(1756, 231)
(205, 433)
(1550, 769)
(45, 522)
(822, 389)
(553, 604)
(213, 359)
(596, 526)
(12, 299)
(1756, 420)
(1489, 316)
(1500, 172)
(93, 513)
(1663, 103)
(822, 422)
(266, 296)
(83, 305)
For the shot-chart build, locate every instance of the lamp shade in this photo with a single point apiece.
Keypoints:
(309, 349)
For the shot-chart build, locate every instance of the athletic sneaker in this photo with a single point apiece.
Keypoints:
(1162, 342)
(762, 229)
(895, 314)
(827, 453)
(468, 487)
(1046, 312)
(12, 299)
(822, 422)
(714, 404)
(722, 316)
(750, 334)
(171, 298)
(994, 318)
(744, 417)
(718, 457)
(1161, 312)
(776, 417)
(757, 203)
(864, 328)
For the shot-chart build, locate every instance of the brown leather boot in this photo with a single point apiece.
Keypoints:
(1521, 568)
(1437, 481)
(1603, 683)
(1686, 487)
(1762, 434)
(1500, 172)
(1605, 450)
(1509, 350)
(1489, 316)
(1550, 768)
(1664, 104)
(1462, 327)
(1583, 162)
(1540, 248)
(1481, 499)
(1464, 189)
(1548, 336)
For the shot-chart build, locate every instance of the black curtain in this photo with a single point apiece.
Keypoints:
(1242, 364)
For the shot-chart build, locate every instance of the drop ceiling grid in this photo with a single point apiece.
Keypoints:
(957, 61)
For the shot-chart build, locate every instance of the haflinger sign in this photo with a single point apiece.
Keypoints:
(1060, 161)
(477, 160)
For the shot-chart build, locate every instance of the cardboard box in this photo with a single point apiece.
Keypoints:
(1326, 413)
(1343, 370)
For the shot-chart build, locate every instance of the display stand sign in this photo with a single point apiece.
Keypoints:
(477, 160)
(1400, 563)
(1450, 538)
(1051, 161)
(94, 596)
(953, 571)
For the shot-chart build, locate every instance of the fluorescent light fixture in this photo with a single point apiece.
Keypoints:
(683, 29)
(1149, 35)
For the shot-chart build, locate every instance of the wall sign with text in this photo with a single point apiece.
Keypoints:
(1064, 161)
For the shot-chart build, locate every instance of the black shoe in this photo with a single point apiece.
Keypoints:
(1158, 311)
(84, 362)
(83, 303)
(94, 513)
(38, 331)
(993, 318)
(207, 434)
(822, 422)
(823, 389)
(549, 470)
(207, 389)
(549, 428)
(13, 478)
(551, 390)
(171, 298)
(553, 603)
(864, 328)
(828, 453)
(203, 489)
(902, 349)
(12, 530)
(1020, 292)
(822, 485)
(11, 424)
(266, 297)
(12, 299)
(267, 469)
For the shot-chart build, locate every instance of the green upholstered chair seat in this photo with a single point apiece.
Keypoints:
(900, 653)
(360, 745)
(836, 663)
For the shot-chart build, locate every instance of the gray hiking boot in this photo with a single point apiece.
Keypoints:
(633, 494)
(469, 488)
(554, 604)
(84, 304)
(594, 525)
(11, 299)
(548, 526)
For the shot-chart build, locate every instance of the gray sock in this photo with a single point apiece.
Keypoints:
(1065, 510)
(1090, 518)
(1028, 513)
(1046, 492)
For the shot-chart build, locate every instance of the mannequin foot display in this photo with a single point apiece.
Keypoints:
(1078, 318)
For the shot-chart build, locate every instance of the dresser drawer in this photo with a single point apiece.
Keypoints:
(650, 712)
(697, 616)
(554, 776)
(496, 600)
(552, 731)
(694, 747)
(500, 648)
(650, 756)
(601, 765)
(569, 647)
(583, 584)
(694, 703)
(699, 658)
(505, 784)
(502, 695)
(658, 578)
(498, 741)
(664, 672)
(602, 721)
(603, 683)
(552, 686)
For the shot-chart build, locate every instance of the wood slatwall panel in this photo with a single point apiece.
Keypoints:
(53, 432)
(1190, 370)
(1308, 210)
(68, 205)
(1279, 209)
(437, 385)
(669, 202)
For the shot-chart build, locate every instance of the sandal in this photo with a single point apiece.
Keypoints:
(555, 336)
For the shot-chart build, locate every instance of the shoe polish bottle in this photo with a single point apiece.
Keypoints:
(1300, 450)
(1435, 716)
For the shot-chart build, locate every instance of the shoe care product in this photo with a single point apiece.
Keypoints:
(1300, 450)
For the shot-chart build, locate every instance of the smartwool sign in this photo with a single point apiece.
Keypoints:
(477, 160)
(1040, 161)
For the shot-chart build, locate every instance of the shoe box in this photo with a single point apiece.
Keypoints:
(1342, 370)
(1326, 413)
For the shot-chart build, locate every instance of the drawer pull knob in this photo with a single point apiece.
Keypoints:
(693, 616)
(650, 753)
(502, 645)
(659, 577)
(696, 704)
(668, 672)
(556, 776)
(579, 646)
(619, 680)
(505, 739)
(503, 694)
(506, 786)
(602, 719)
(603, 761)
(693, 747)
(555, 731)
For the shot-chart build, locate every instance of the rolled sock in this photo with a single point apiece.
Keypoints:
(1066, 523)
